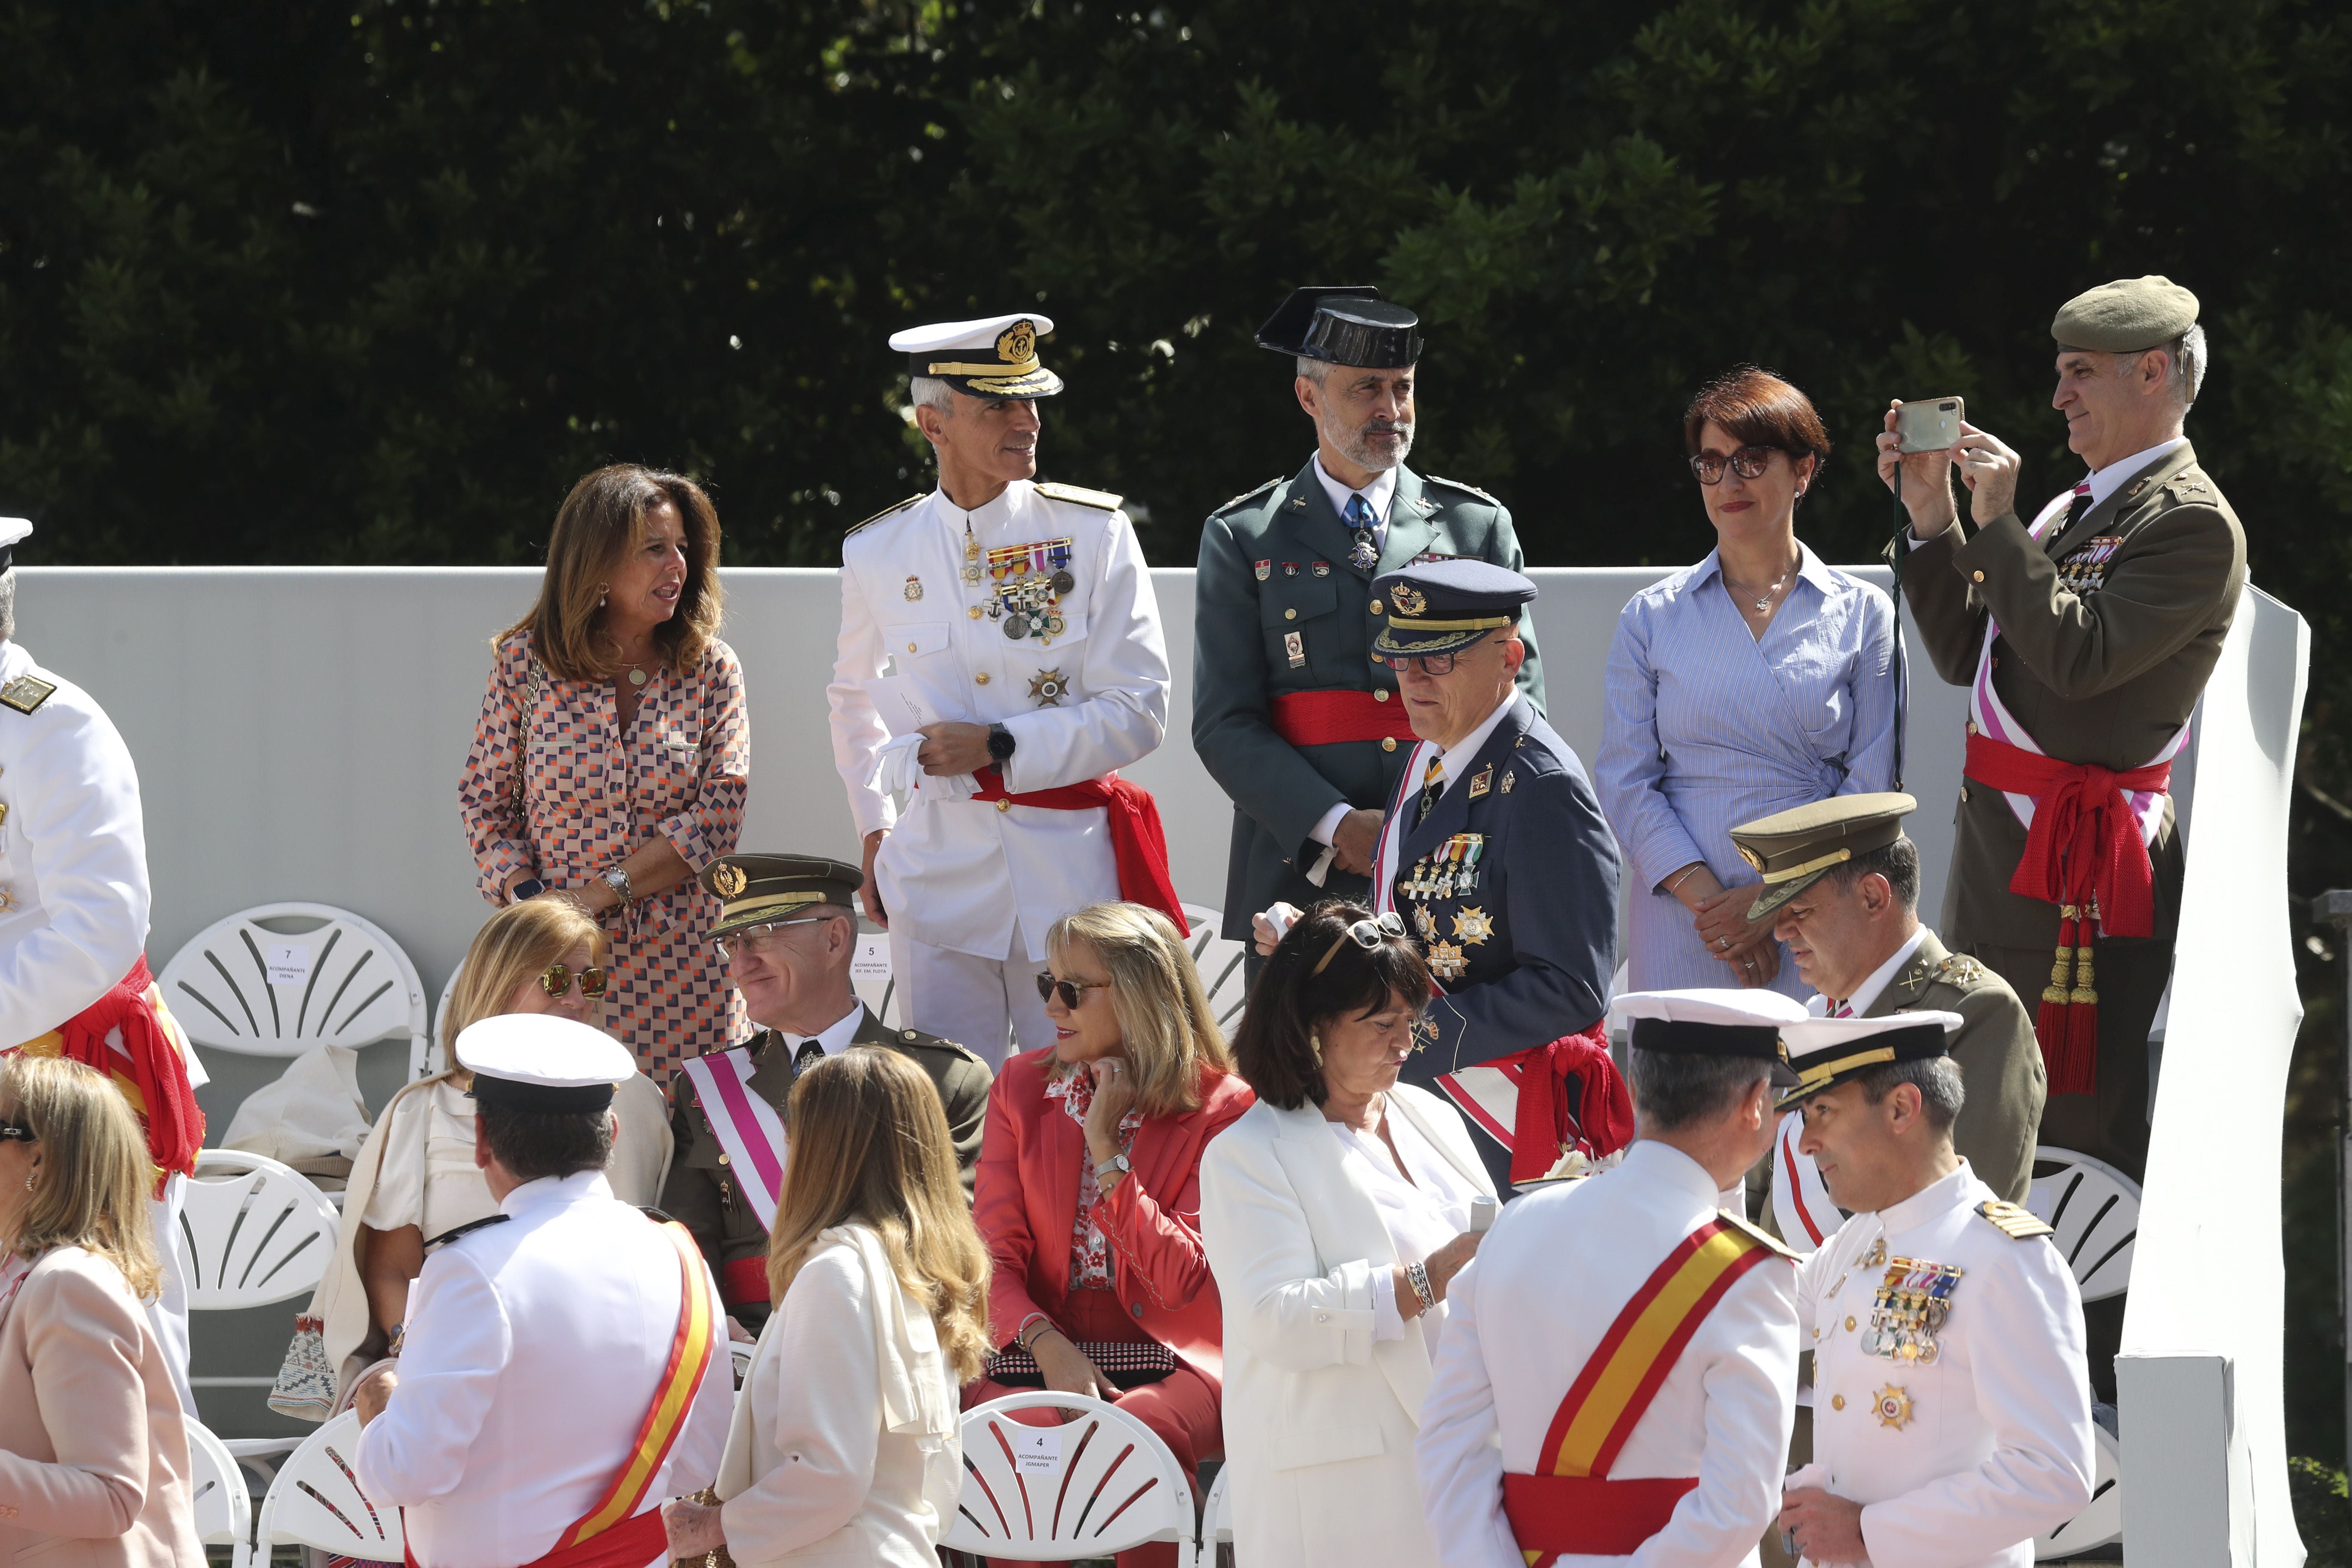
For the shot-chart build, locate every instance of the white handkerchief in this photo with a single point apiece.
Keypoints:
(898, 775)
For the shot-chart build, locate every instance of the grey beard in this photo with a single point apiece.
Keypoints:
(1359, 451)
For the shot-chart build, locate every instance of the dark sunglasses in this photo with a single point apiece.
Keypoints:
(1072, 991)
(1749, 463)
(1367, 934)
(22, 1131)
(594, 982)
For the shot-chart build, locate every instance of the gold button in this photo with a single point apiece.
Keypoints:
(910, 648)
(1964, 795)
(972, 612)
(1004, 805)
(1980, 577)
(981, 678)
(1381, 695)
(1388, 742)
(1972, 726)
(1290, 615)
(1837, 1400)
(1849, 1325)
(722, 1159)
(1376, 607)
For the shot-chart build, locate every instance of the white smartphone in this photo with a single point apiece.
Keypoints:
(1928, 424)
(1482, 1214)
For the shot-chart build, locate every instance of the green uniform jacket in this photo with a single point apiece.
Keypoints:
(1242, 660)
(2000, 1062)
(701, 1193)
(2104, 673)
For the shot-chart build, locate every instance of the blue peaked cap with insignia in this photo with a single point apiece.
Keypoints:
(1436, 607)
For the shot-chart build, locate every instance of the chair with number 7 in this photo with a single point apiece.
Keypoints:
(1096, 1484)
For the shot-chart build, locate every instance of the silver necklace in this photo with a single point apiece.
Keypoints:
(1763, 600)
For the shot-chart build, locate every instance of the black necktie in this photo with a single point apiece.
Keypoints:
(2077, 507)
(811, 1052)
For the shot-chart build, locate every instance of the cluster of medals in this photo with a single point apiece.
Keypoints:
(2084, 570)
(1028, 581)
(1450, 870)
(1907, 1307)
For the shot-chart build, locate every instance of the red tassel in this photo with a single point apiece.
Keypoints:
(2050, 1020)
(2079, 1071)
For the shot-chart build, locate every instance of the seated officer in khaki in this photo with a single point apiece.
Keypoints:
(788, 930)
(1844, 883)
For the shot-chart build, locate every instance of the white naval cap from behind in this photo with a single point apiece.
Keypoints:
(1726, 1006)
(15, 531)
(538, 1061)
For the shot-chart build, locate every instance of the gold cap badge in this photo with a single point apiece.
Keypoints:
(729, 880)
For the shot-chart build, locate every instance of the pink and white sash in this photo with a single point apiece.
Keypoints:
(1392, 831)
(749, 1132)
(1995, 719)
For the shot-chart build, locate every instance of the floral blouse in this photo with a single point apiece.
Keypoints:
(593, 794)
(1089, 1252)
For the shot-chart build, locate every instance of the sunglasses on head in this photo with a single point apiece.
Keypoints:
(21, 1132)
(594, 982)
(1071, 992)
(1367, 934)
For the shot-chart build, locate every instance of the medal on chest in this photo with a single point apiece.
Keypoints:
(1027, 581)
(2084, 570)
(1908, 1306)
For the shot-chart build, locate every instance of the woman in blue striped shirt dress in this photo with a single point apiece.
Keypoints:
(1757, 680)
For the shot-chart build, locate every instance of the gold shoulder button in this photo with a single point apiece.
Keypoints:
(2015, 1223)
(26, 693)
(886, 511)
(1756, 1234)
(1078, 495)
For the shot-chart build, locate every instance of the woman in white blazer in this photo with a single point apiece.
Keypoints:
(1335, 1213)
(846, 1446)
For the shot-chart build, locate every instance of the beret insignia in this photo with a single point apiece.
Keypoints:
(728, 881)
(1406, 600)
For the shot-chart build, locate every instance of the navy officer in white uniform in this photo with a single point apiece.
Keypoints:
(1619, 1370)
(565, 1369)
(1018, 624)
(1951, 1396)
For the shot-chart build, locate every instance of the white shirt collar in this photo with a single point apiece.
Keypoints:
(1664, 1162)
(836, 1039)
(1929, 1201)
(580, 1186)
(2106, 482)
(1866, 994)
(992, 514)
(1460, 758)
(1378, 494)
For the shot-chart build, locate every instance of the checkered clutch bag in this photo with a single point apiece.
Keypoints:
(1131, 1363)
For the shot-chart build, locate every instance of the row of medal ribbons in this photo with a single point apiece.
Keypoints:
(1450, 870)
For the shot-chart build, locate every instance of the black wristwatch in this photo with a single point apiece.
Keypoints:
(1000, 744)
(529, 888)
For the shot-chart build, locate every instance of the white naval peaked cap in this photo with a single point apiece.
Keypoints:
(1825, 1052)
(13, 533)
(993, 356)
(1730, 1007)
(1715, 1023)
(539, 1061)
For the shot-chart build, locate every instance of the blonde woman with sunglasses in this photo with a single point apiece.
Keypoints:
(415, 1180)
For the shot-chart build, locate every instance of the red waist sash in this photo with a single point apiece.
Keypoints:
(1138, 843)
(2084, 853)
(148, 1068)
(745, 1279)
(1586, 1516)
(630, 1544)
(1333, 718)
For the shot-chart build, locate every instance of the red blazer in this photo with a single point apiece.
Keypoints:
(1026, 1203)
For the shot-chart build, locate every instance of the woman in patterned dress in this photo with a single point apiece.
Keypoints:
(635, 757)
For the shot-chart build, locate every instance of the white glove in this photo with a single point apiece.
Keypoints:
(896, 774)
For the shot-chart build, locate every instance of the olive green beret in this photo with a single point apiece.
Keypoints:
(2126, 316)
(1796, 849)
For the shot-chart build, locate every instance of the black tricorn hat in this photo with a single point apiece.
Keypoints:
(1343, 324)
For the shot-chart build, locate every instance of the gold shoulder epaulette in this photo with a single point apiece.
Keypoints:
(1081, 496)
(1758, 1233)
(1458, 484)
(2015, 1223)
(886, 511)
(26, 693)
(1248, 495)
(1960, 969)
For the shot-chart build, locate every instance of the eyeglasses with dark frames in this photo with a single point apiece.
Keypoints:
(750, 938)
(1367, 934)
(1749, 463)
(1431, 663)
(20, 1131)
(1072, 991)
(594, 982)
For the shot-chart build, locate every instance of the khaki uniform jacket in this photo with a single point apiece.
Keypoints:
(702, 1194)
(2105, 675)
(1998, 1060)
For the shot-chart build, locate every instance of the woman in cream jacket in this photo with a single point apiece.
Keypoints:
(845, 1447)
(94, 1469)
(1335, 1213)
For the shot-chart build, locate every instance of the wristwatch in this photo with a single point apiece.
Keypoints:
(1000, 744)
(528, 887)
(617, 878)
(1115, 1163)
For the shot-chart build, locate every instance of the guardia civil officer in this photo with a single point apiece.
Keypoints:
(1843, 880)
(788, 927)
(1952, 1407)
(1018, 624)
(1290, 716)
(1552, 1431)
(2084, 638)
(565, 1369)
(73, 926)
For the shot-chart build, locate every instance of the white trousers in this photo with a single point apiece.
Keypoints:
(169, 1311)
(978, 1003)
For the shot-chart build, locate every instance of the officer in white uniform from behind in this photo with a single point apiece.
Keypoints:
(1020, 627)
(1634, 1345)
(565, 1369)
(73, 926)
(1951, 1397)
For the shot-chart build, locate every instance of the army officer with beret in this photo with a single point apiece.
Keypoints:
(1290, 715)
(2084, 638)
(788, 930)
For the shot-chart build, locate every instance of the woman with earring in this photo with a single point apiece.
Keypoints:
(1757, 681)
(613, 754)
(94, 1466)
(1336, 1214)
(415, 1180)
(1089, 1188)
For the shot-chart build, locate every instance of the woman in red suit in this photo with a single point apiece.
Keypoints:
(1090, 1187)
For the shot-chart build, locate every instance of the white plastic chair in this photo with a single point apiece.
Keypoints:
(341, 980)
(261, 1235)
(436, 1055)
(1220, 964)
(223, 1507)
(316, 1501)
(1105, 1483)
(2095, 1209)
(2101, 1522)
(742, 1354)
(1217, 1517)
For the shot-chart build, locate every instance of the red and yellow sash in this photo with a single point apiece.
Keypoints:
(1573, 1508)
(614, 1533)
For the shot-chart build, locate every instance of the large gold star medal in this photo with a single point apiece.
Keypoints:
(1048, 687)
(1894, 1407)
(1446, 961)
(1472, 925)
(1424, 922)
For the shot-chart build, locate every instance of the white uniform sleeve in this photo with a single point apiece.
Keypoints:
(1125, 677)
(1749, 1347)
(1456, 1451)
(71, 789)
(816, 1399)
(2032, 1385)
(1288, 1311)
(459, 1341)
(857, 730)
